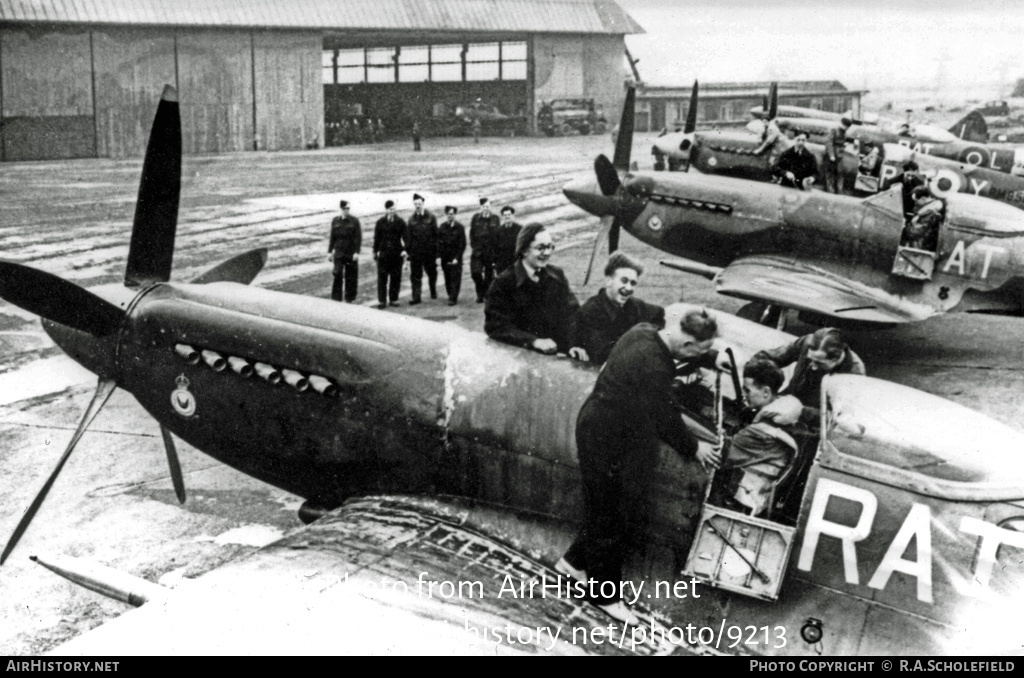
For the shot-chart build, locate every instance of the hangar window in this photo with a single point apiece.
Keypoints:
(380, 64)
(414, 64)
(513, 61)
(483, 61)
(446, 63)
(351, 66)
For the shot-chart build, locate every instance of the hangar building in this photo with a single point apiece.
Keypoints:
(81, 78)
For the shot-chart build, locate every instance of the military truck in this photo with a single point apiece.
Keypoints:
(565, 116)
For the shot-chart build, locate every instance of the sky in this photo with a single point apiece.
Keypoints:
(955, 48)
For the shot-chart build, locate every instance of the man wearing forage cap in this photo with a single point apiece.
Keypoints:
(505, 236)
(421, 244)
(388, 251)
(343, 249)
(481, 243)
(451, 243)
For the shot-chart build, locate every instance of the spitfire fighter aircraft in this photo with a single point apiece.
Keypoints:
(921, 138)
(432, 457)
(865, 172)
(828, 256)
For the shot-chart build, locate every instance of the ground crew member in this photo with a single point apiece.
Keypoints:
(451, 244)
(343, 249)
(421, 244)
(815, 355)
(775, 142)
(796, 167)
(530, 304)
(476, 130)
(607, 315)
(416, 136)
(505, 236)
(482, 227)
(835, 144)
(620, 428)
(388, 252)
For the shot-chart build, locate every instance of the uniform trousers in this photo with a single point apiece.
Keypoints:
(452, 280)
(389, 279)
(417, 266)
(482, 272)
(346, 280)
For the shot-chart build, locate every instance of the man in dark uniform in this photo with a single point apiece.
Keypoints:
(505, 241)
(796, 167)
(912, 178)
(823, 352)
(343, 249)
(619, 430)
(388, 251)
(421, 244)
(530, 304)
(482, 227)
(416, 136)
(607, 315)
(835, 145)
(451, 244)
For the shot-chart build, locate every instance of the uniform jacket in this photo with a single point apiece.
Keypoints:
(481, 236)
(834, 144)
(806, 383)
(518, 310)
(346, 237)
(451, 242)
(421, 236)
(801, 163)
(600, 322)
(389, 239)
(632, 404)
(505, 245)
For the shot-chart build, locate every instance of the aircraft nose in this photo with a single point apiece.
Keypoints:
(585, 193)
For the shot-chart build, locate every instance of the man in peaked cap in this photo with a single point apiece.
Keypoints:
(482, 228)
(343, 249)
(505, 235)
(451, 244)
(421, 244)
(388, 252)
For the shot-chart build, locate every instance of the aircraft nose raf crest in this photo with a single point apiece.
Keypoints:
(182, 400)
(654, 223)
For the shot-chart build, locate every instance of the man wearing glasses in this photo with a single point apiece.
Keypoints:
(530, 304)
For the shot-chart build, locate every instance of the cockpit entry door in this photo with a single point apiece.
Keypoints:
(915, 257)
(736, 552)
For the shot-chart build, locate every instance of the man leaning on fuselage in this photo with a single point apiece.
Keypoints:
(611, 312)
(530, 304)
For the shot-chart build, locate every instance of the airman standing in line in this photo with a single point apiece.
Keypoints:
(505, 241)
(482, 228)
(343, 248)
(388, 252)
(451, 244)
(421, 244)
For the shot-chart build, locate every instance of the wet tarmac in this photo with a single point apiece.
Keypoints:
(114, 502)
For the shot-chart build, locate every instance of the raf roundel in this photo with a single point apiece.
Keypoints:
(654, 223)
(182, 400)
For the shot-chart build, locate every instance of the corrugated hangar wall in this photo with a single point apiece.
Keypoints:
(82, 93)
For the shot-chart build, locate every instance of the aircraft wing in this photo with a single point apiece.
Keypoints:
(803, 286)
(380, 575)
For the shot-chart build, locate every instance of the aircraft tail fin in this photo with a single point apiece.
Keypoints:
(972, 127)
(624, 144)
(242, 268)
(691, 113)
(156, 213)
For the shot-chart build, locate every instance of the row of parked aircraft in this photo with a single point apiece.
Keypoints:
(425, 447)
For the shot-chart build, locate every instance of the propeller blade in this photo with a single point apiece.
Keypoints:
(773, 101)
(613, 235)
(624, 144)
(607, 176)
(104, 388)
(240, 269)
(606, 225)
(691, 113)
(57, 299)
(172, 462)
(156, 212)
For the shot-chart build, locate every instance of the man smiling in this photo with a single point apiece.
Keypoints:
(610, 313)
(530, 304)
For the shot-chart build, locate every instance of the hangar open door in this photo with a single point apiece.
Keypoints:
(377, 93)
